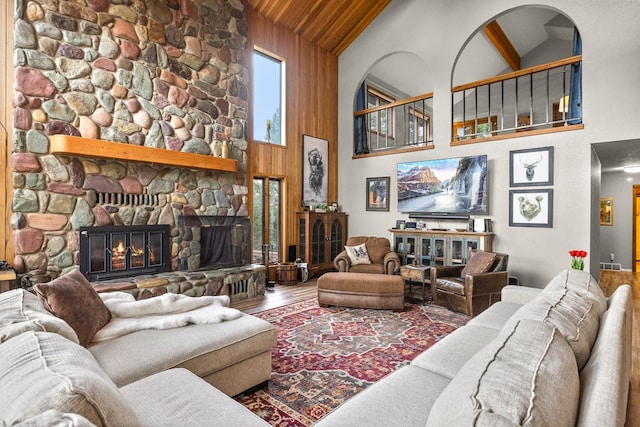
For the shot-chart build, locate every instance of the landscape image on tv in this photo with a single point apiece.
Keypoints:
(444, 186)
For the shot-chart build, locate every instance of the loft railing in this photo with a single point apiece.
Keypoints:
(534, 99)
(397, 125)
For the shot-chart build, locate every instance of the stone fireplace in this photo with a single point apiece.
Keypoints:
(123, 251)
(169, 77)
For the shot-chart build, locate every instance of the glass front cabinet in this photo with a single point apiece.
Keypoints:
(321, 237)
(426, 247)
(406, 247)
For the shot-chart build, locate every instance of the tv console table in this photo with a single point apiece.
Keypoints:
(431, 247)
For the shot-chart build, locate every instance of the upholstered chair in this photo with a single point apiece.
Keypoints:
(379, 256)
(473, 287)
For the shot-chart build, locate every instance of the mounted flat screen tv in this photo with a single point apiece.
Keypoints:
(455, 187)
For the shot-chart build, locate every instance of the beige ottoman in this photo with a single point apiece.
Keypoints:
(361, 290)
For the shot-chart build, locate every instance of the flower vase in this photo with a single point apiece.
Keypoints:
(577, 259)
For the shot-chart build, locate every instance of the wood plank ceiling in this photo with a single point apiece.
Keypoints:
(330, 24)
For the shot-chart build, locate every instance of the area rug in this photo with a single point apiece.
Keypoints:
(326, 355)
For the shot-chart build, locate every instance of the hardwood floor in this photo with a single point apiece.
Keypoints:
(609, 281)
(278, 296)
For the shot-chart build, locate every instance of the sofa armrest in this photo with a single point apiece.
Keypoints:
(446, 271)
(519, 294)
(391, 263)
(342, 262)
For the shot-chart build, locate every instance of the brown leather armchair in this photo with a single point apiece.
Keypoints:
(383, 259)
(474, 292)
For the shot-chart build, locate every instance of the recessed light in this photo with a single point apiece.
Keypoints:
(632, 169)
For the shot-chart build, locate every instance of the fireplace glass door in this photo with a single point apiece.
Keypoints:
(108, 252)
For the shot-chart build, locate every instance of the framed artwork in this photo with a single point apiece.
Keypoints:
(315, 176)
(524, 124)
(531, 208)
(606, 211)
(533, 166)
(378, 194)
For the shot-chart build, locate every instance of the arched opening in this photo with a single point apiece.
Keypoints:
(519, 72)
(393, 110)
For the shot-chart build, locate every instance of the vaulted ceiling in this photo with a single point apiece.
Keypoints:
(330, 24)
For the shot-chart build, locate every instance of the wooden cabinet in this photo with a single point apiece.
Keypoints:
(7, 280)
(429, 247)
(321, 237)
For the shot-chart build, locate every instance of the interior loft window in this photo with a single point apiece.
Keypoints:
(268, 98)
(418, 126)
(380, 122)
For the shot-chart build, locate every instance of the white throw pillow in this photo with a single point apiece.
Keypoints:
(358, 254)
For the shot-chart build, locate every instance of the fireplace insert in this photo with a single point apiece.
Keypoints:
(121, 251)
(214, 241)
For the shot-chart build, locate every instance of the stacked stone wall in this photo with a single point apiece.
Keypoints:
(168, 74)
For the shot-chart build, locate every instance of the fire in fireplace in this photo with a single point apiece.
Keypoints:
(122, 251)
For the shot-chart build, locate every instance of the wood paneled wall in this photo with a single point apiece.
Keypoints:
(311, 109)
(6, 113)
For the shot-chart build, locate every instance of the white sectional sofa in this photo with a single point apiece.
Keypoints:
(560, 356)
(181, 376)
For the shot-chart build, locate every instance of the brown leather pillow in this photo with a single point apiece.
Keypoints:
(479, 262)
(72, 298)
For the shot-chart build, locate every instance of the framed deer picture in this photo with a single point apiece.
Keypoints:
(533, 166)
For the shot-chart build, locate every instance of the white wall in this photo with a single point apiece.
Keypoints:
(436, 30)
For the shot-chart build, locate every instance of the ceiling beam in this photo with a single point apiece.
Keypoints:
(501, 42)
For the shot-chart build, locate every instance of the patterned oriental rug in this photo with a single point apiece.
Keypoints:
(326, 355)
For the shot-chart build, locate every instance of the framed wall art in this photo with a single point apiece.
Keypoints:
(533, 166)
(315, 176)
(606, 211)
(378, 194)
(531, 208)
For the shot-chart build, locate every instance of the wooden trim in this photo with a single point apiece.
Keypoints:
(519, 134)
(86, 147)
(394, 151)
(503, 45)
(418, 231)
(635, 205)
(6, 118)
(519, 73)
(394, 104)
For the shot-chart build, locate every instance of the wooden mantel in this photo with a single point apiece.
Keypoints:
(97, 148)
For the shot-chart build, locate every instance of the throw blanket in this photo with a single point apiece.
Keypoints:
(162, 312)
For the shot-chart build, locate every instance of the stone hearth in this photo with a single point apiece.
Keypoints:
(239, 283)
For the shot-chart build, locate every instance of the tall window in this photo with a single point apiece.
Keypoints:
(380, 122)
(268, 98)
(266, 218)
